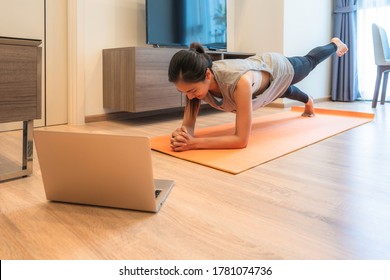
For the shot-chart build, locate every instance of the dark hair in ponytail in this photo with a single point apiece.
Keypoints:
(190, 66)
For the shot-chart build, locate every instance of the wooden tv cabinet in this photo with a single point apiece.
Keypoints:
(20, 94)
(135, 79)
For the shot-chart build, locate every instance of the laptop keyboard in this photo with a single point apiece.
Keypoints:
(157, 193)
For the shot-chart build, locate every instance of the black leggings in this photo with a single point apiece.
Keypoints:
(303, 65)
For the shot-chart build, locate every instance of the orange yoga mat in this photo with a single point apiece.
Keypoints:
(272, 136)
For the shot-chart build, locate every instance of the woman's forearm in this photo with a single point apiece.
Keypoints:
(189, 120)
(218, 142)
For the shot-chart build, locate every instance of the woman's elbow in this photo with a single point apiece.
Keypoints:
(241, 144)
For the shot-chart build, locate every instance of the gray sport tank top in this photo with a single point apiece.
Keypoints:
(227, 73)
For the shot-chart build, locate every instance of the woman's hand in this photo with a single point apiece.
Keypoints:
(181, 140)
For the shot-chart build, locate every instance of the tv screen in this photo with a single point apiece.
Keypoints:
(181, 22)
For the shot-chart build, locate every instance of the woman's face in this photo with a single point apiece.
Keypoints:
(195, 90)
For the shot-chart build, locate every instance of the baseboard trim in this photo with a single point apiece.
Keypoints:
(297, 103)
(107, 117)
(116, 116)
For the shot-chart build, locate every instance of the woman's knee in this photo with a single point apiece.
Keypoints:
(295, 93)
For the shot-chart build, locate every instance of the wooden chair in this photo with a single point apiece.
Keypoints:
(382, 61)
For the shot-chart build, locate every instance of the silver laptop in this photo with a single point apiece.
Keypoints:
(99, 169)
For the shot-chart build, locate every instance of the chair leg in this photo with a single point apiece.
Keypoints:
(384, 86)
(377, 85)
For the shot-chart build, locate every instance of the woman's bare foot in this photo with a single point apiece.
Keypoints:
(341, 47)
(309, 109)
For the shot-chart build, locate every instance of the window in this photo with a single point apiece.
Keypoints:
(369, 12)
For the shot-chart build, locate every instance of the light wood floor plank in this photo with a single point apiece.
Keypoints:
(330, 200)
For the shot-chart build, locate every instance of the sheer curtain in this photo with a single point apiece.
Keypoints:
(369, 11)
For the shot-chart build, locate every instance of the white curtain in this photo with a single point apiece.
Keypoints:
(369, 11)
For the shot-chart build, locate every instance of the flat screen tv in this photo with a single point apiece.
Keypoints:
(181, 22)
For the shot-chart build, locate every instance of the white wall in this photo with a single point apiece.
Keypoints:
(305, 30)
(56, 62)
(258, 26)
(22, 18)
(284, 26)
(108, 24)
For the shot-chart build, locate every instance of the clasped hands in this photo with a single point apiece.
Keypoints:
(181, 139)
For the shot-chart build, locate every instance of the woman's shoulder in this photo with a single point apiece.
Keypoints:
(272, 60)
(228, 63)
(265, 57)
(235, 65)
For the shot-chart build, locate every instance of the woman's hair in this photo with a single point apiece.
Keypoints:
(190, 66)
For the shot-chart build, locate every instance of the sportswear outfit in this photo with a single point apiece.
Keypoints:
(284, 73)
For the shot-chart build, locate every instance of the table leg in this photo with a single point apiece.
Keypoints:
(27, 154)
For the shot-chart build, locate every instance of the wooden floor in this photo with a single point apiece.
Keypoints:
(330, 200)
